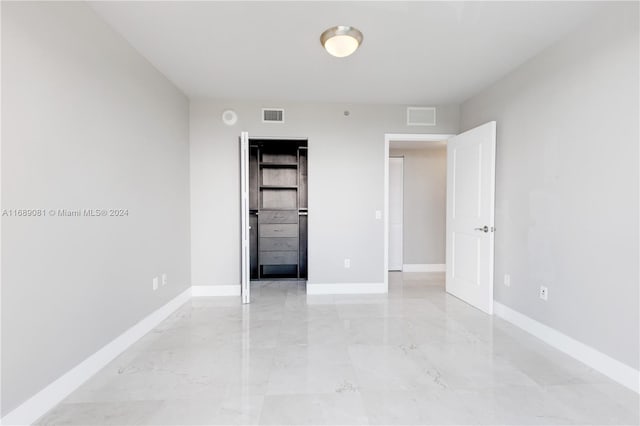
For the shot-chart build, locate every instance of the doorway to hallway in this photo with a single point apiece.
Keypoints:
(470, 198)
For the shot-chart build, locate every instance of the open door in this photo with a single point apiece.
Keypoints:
(470, 215)
(244, 205)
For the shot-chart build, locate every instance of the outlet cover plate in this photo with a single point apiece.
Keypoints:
(544, 293)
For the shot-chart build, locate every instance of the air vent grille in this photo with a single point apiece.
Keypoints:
(421, 116)
(272, 115)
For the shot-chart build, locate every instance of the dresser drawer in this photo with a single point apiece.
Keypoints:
(278, 230)
(278, 257)
(278, 244)
(278, 216)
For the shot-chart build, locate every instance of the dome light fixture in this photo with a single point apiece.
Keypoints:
(341, 41)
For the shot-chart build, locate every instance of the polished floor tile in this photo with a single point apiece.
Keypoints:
(343, 408)
(415, 356)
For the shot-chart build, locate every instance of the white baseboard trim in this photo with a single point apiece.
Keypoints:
(39, 404)
(424, 267)
(215, 290)
(346, 288)
(595, 359)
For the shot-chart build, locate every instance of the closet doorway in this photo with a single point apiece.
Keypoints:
(276, 210)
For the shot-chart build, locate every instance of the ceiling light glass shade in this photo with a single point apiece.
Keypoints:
(341, 41)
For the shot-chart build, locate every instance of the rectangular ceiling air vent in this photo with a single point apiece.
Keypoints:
(272, 115)
(421, 116)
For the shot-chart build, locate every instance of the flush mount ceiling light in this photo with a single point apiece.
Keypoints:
(341, 41)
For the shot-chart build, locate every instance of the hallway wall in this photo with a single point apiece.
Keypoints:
(425, 204)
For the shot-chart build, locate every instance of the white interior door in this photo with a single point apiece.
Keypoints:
(244, 189)
(470, 215)
(396, 209)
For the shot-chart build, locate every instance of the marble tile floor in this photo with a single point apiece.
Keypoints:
(416, 356)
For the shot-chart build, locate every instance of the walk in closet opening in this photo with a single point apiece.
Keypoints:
(278, 209)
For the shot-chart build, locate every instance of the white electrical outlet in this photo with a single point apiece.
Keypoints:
(378, 214)
(544, 293)
(347, 263)
(155, 283)
(164, 279)
(507, 280)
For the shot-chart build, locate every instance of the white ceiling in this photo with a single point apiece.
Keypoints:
(413, 52)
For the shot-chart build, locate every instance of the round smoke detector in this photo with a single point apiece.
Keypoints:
(229, 117)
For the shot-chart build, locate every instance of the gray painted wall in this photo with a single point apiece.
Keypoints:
(86, 123)
(346, 173)
(567, 184)
(425, 204)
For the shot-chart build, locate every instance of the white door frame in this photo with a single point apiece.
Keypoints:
(404, 137)
(401, 190)
(245, 278)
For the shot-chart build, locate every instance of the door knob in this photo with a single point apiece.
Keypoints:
(483, 229)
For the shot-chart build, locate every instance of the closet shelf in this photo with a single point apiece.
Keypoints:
(278, 186)
(280, 165)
